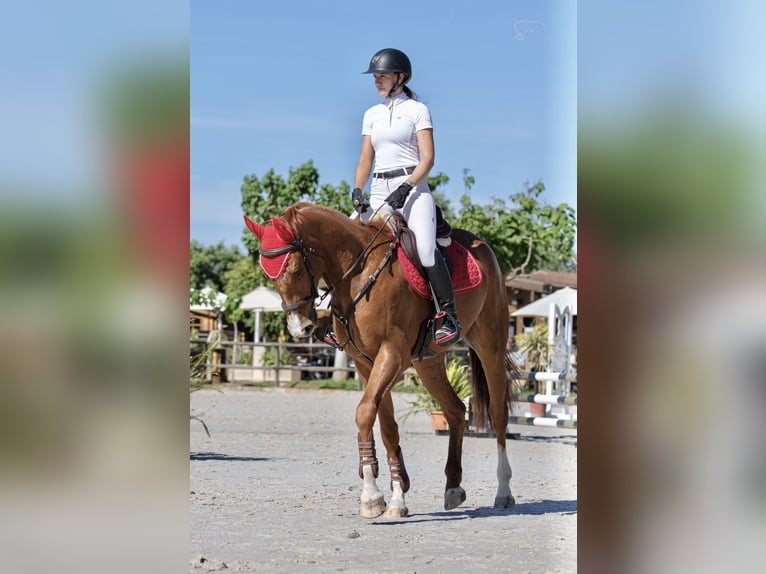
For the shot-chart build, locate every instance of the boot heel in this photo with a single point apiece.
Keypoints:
(444, 336)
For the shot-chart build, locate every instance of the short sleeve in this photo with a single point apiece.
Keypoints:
(422, 118)
(367, 123)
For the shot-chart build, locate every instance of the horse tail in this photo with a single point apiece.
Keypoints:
(480, 395)
(481, 415)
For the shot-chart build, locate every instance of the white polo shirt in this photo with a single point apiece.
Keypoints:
(392, 127)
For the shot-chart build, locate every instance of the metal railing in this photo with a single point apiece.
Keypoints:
(240, 361)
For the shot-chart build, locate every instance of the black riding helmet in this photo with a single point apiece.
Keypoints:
(391, 60)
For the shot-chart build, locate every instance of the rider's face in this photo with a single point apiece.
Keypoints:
(384, 83)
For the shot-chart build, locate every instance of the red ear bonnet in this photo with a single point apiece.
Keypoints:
(274, 236)
(283, 232)
(256, 229)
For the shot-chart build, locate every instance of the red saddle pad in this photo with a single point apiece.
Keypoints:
(466, 274)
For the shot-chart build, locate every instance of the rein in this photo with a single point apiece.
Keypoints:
(305, 250)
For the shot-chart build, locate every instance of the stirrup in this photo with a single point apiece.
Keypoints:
(444, 336)
(331, 339)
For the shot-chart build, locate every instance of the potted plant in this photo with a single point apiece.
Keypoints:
(536, 350)
(457, 375)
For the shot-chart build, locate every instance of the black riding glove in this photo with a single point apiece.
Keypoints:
(397, 197)
(357, 199)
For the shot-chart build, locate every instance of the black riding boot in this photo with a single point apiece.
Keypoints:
(441, 283)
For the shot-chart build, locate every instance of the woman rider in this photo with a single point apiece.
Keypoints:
(397, 135)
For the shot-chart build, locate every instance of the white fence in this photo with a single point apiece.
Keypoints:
(264, 363)
(248, 362)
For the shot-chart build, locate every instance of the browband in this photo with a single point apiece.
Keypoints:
(279, 250)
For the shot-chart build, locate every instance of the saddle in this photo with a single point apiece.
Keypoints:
(464, 270)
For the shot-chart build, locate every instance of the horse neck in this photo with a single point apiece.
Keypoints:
(340, 239)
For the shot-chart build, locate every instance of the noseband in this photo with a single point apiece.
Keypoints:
(304, 250)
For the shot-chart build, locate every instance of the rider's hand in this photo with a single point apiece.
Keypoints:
(397, 197)
(357, 199)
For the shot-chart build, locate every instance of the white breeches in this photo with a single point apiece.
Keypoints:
(419, 212)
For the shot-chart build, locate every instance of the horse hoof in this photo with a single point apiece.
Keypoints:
(372, 508)
(505, 502)
(396, 512)
(453, 498)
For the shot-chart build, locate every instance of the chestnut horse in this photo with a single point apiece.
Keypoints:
(377, 320)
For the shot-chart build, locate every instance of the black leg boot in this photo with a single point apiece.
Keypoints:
(441, 283)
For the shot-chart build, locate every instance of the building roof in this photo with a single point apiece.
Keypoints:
(543, 281)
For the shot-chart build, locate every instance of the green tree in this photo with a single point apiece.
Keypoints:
(241, 278)
(262, 198)
(527, 233)
(437, 181)
(272, 194)
(435, 184)
(207, 265)
(336, 197)
(468, 180)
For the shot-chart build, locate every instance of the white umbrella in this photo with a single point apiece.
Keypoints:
(541, 308)
(261, 299)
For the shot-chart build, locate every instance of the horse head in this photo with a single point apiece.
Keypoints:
(286, 262)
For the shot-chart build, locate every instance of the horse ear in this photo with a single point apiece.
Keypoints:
(283, 232)
(254, 227)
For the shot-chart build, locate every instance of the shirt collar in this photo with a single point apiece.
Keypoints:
(402, 97)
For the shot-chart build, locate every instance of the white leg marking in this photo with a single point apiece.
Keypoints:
(396, 507)
(372, 501)
(504, 498)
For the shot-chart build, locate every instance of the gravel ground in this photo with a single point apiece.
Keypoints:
(275, 489)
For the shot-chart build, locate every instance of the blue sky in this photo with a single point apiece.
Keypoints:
(56, 57)
(274, 84)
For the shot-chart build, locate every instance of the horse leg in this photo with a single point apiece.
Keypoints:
(433, 375)
(388, 366)
(372, 503)
(493, 364)
(400, 480)
(499, 409)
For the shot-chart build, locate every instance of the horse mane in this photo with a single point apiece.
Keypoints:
(299, 213)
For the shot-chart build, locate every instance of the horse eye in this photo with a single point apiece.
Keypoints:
(297, 273)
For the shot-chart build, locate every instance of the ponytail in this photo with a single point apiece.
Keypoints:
(410, 94)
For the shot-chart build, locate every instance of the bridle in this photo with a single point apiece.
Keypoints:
(297, 245)
(304, 250)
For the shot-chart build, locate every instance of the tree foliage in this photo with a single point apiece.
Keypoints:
(263, 197)
(207, 265)
(241, 278)
(527, 224)
(272, 194)
(524, 230)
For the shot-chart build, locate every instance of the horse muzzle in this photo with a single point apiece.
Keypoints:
(301, 326)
